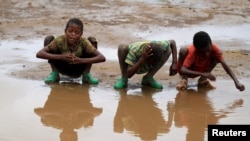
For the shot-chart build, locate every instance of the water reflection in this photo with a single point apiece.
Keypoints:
(67, 108)
(192, 109)
(139, 115)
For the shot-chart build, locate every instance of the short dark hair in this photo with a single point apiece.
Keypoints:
(76, 21)
(201, 39)
(156, 50)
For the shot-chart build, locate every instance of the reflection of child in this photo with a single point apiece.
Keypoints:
(146, 124)
(200, 59)
(145, 57)
(68, 108)
(71, 54)
(194, 110)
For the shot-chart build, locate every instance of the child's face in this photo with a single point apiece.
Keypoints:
(205, 51)
(73, 34)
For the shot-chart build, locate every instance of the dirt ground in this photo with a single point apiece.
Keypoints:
(114, 22)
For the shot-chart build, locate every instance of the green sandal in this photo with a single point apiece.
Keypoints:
(88, 78)
(151, 82)
(121, 83)
(52, 78)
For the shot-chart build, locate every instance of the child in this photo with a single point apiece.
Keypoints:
(200, 59)
(145, 57)
(71, 54)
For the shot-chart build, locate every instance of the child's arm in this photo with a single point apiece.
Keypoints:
(238, 85)
(97, 58)
(173, 67)
(145, 55)
(208, 75)
(45, 54)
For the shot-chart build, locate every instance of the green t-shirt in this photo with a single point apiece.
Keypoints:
(136, 50)
(60, 46)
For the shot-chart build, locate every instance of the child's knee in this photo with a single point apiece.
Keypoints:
(183, 51)
(48, 39)
(123, 47)
(182, 54)
(93, 41)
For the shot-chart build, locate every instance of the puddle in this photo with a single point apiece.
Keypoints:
(35, 111)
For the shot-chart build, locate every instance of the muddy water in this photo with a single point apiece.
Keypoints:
(31, 110)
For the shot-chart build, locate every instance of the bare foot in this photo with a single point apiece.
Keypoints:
(182, 85)
(206, 84)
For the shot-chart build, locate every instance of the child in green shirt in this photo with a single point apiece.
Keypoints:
(71, 54)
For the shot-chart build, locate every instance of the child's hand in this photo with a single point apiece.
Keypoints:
(74, 59)
(173, 70)
(147, 52)
(209, 76)
(240, 86)
(69, 57)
